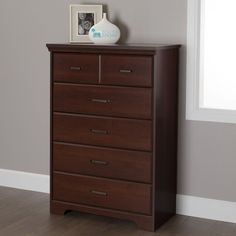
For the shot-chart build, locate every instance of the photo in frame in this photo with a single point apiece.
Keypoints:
(82, 18)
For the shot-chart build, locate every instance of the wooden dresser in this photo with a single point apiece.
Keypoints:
(114, 131)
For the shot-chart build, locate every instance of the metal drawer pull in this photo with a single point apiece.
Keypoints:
(78, 68)
(101, 100)
(99, 131)
(99, 193)
(96, 162)
(125, 71)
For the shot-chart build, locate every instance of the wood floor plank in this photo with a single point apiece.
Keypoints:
(26, 213)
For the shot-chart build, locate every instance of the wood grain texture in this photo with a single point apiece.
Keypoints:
(166, 111)
(144, 222)
(127, 70)
(127, 49)
(76, 68)
(97, 100)
(26, 213)
(101, 192)
(103, 162)
(152, 129)
(103, 131)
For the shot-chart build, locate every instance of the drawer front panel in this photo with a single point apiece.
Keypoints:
(101, 131)
(111, 101)
(75, 68)
(127, 70)
(103, 162)
(107, 193)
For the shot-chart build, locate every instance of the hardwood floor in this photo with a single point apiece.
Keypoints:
(25, 213)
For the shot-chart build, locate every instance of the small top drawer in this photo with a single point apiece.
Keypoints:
(126, 70)
(75, 68)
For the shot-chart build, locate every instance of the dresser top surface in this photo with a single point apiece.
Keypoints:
(89, 47)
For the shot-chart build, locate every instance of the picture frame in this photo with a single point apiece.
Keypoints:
(82, 18)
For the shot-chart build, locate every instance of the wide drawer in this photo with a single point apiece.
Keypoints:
(76, 68)
(111, 101)
(103, 162)
(120, 195)
(126, 70)
(102, 131)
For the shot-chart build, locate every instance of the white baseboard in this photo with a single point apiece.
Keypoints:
(24, 180)
(186, 205)
(206, 208)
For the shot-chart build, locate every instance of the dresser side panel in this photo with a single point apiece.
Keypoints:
(166, 134)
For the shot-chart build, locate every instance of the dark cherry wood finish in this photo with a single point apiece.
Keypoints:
(94, 191)
(103, 162)
(127, 70)
(103, 131)
(114, 143)
(110, 101)
(76, 68)
(26, 213)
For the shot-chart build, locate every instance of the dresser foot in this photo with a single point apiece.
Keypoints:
(147, 225)
(58, 210)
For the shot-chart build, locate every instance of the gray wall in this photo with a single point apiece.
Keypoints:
(206, 165)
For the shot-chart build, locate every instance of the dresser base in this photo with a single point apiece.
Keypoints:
(142, 221)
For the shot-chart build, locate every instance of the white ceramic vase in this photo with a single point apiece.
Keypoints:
(104, 32)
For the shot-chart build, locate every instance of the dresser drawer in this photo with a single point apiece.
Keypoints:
(75, 68)
(101, 192)
(110, 101)
(127, 70)
(101, 131)
(103, 162)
